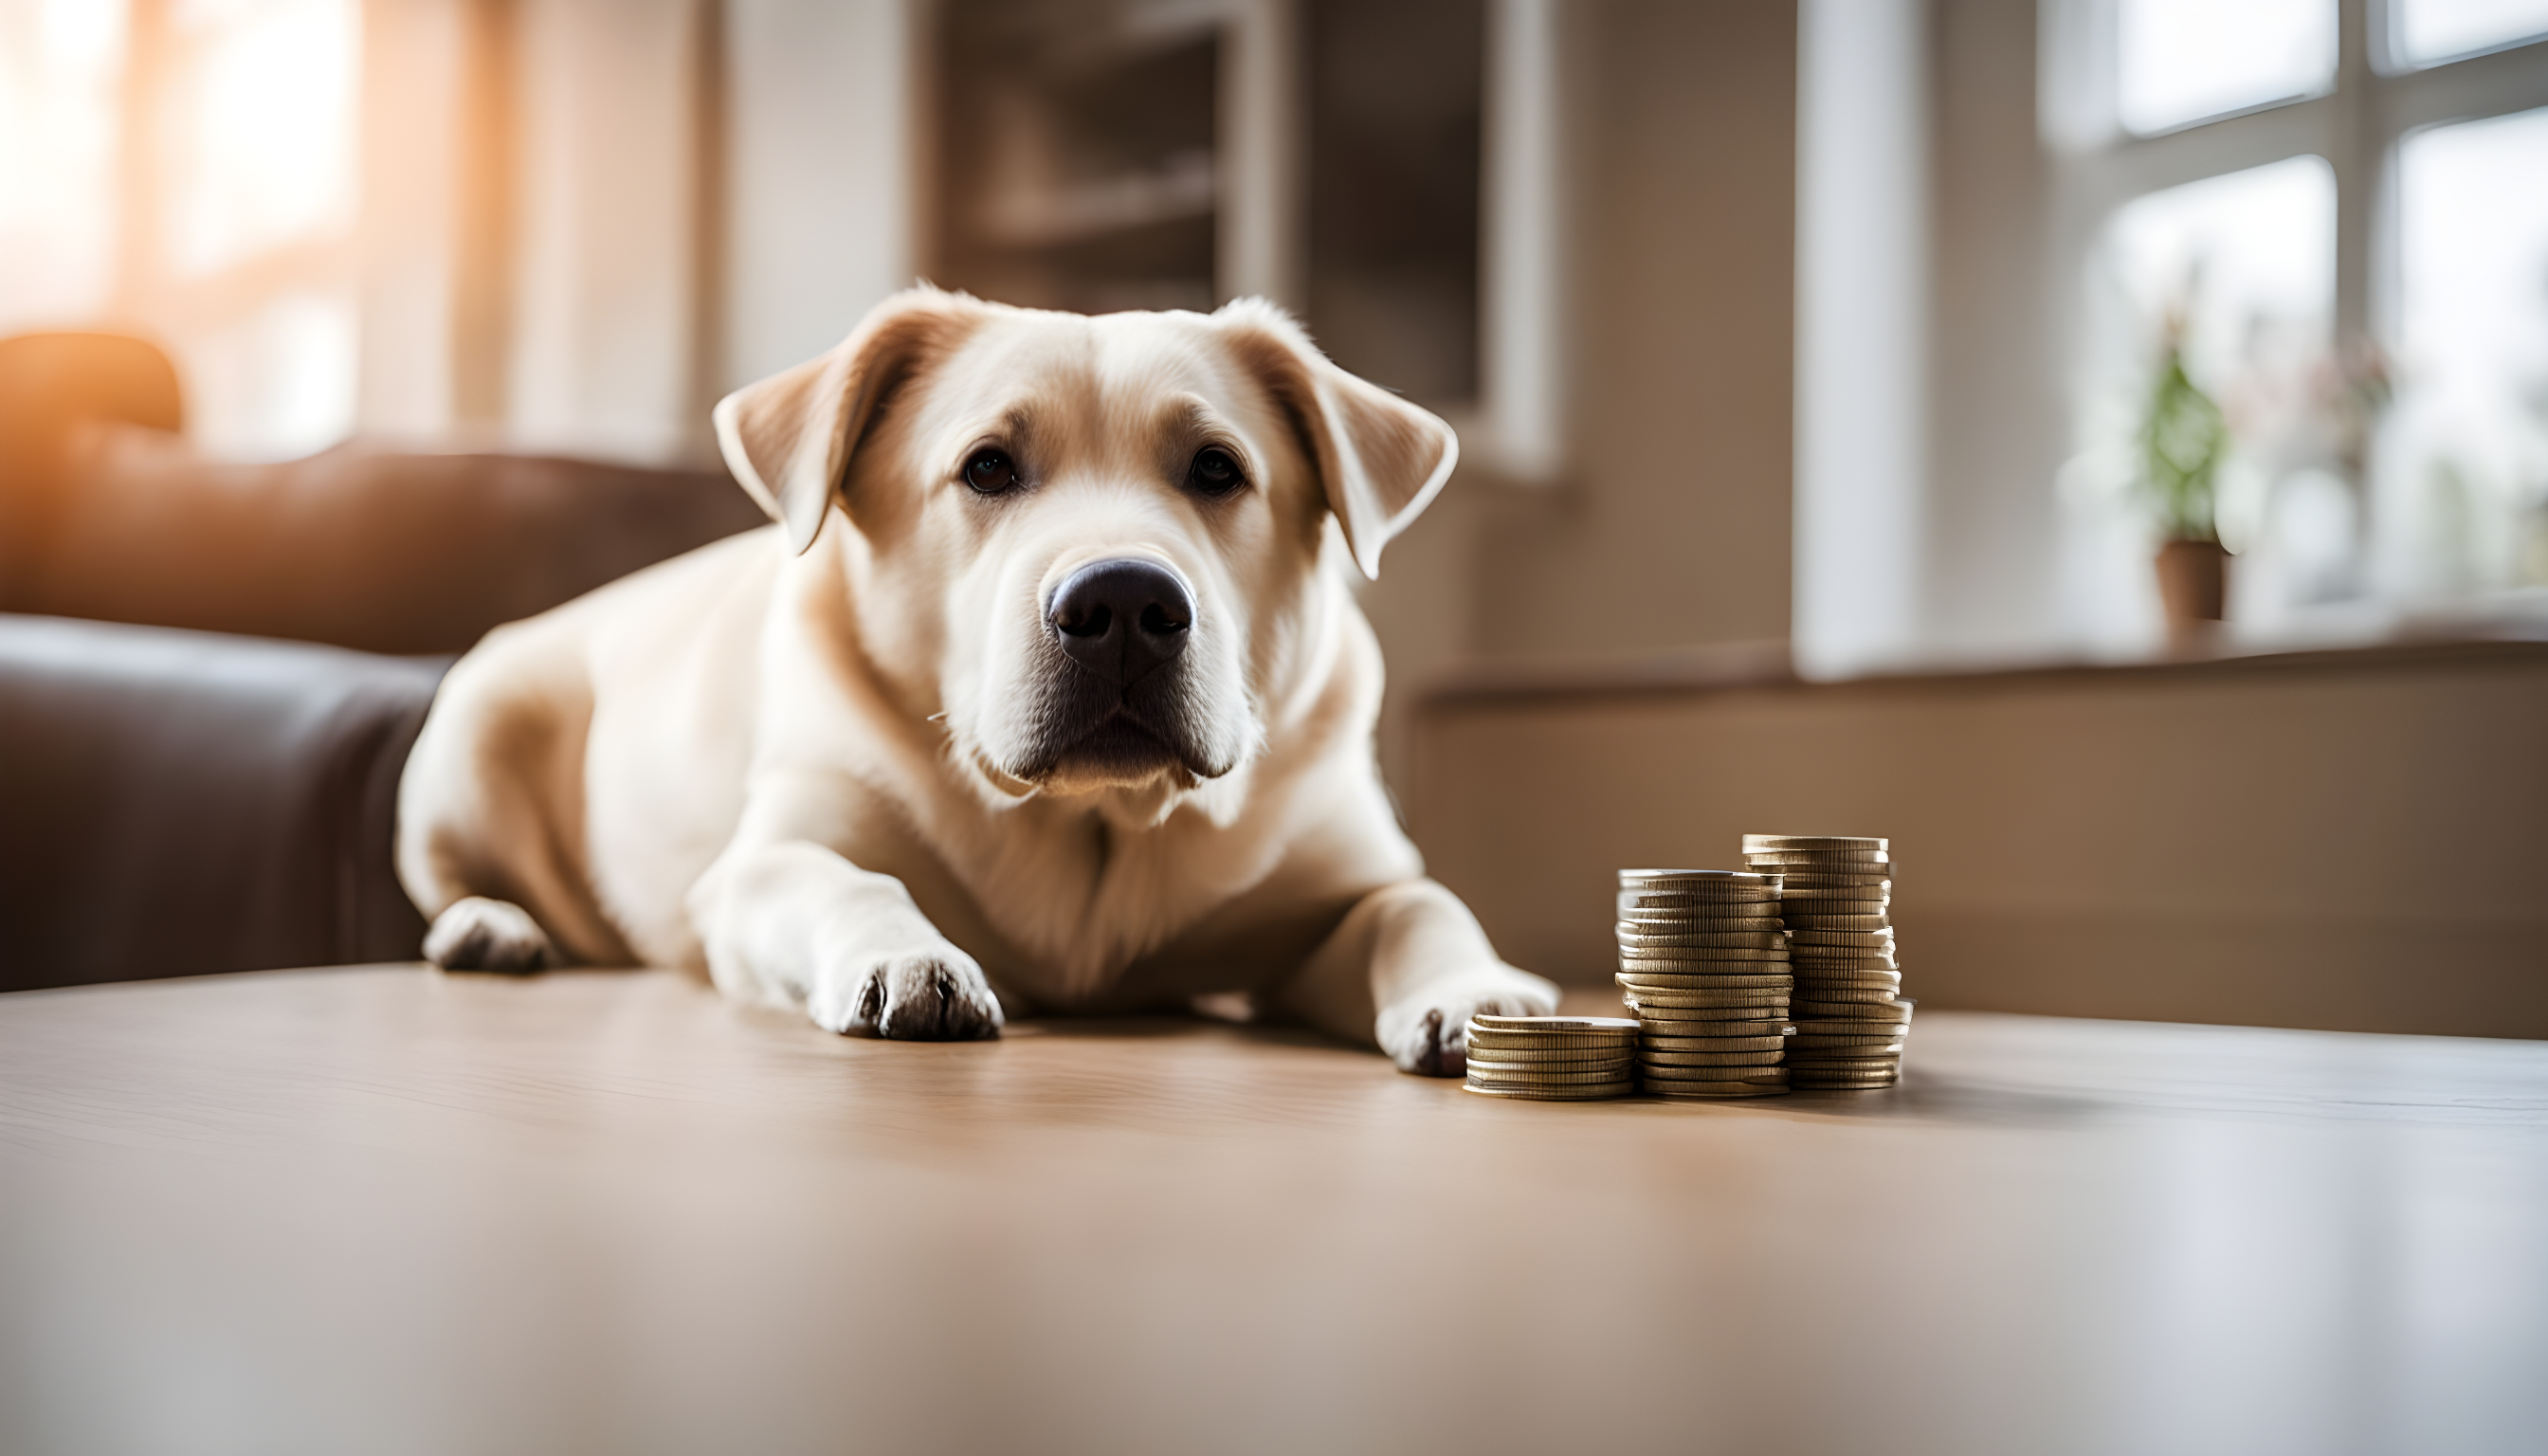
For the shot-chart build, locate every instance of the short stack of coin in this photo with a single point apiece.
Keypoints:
(1837, 895)
(1552, 1058)
(1703, 962)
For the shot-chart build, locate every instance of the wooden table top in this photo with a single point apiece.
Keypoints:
(382, 1210)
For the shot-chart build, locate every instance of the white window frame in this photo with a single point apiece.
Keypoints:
(2356, 125)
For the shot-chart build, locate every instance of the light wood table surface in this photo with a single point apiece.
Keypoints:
(381, 1210)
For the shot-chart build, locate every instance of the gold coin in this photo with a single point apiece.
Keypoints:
(1848, 923)
(1823, 975)
(1721, 1035)
(1559, 1055)
(1753, 843)
(1825, 991)
(1830, 899)
(1842, 1045)
(1772, 1072)
(1587, 1045)
(1658, 1007)
(1713, 1044)
(1860, 1000)
(1501, 1072)
(1701, 940)
(1893, 1030)
(1779, 862)
(1693, 1021)
(1751, 919)
(1553, 1094)
(1649, 927)
(1709, 1058)
(1689, 960)
(1693, 880)
(1639, 980)
(1602, 1078)
(1644, 996)
(1576, 1024)
(1750, 900)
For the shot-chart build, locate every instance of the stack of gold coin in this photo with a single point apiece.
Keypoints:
(1838, 896)
(1552, 1058)
(1703, 962)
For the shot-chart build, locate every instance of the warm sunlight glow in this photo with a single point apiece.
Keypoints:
(260, 130)
(61, 63)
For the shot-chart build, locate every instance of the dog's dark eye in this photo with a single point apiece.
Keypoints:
(1214, 472)
(990, 471)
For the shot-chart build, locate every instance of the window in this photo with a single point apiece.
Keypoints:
(2464, 457)
(2423, 31)
(2339, 216)
(62, 64)
(2183, 60)
(185, 169)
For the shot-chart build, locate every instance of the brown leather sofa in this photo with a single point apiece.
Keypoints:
(211, 673)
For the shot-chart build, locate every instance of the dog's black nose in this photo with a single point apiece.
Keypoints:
(1123, 619)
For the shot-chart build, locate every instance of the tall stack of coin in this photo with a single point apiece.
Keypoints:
(1838, 896)
(1552, 1058)
(1704, 960)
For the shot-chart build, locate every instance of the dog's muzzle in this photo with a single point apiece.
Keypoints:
(1118, 703)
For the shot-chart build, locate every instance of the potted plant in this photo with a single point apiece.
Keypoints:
(2183, 438)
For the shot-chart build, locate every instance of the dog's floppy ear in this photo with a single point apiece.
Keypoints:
(1380, 459)
(788, 438)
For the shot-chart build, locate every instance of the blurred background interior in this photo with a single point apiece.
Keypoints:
(1848, 389)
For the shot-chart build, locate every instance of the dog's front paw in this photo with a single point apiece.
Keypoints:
(1428, 1032)
(938, 995)
(480, 934)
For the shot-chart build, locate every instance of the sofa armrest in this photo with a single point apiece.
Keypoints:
(176, 802)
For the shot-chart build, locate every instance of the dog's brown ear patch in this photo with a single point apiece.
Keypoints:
(1379, 459)
(788, 438)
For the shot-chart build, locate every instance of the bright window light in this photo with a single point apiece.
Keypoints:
(60, 64)
(2422, 31)
(2248, 259)
(2466, 455)
(2182, 60)
(2240, 270)
(260, 132)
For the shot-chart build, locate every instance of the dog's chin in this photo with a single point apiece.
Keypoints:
(1116, 754)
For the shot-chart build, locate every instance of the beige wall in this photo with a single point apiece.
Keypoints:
(1670, 525)
(2346, 841)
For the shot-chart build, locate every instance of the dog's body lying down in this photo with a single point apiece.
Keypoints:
(1048, 679)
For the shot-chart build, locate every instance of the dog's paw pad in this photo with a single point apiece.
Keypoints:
(480, 934)
(939, 996)
(1428, 1034)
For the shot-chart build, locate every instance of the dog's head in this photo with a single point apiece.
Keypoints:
(1093, 543)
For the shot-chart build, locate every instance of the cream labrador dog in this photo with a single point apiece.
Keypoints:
(1047, 690)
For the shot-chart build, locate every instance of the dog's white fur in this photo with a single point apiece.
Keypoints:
(802, 758)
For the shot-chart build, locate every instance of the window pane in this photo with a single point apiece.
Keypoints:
(60, 66)
(2427, 31)
(2240, 271)
(2181, 60)
(2465, 459)
(259, 128)
(2248, 258)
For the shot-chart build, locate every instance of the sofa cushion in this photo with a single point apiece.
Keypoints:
(176, 802)
(360, 546)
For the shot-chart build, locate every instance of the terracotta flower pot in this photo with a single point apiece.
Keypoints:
(2193, 582)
